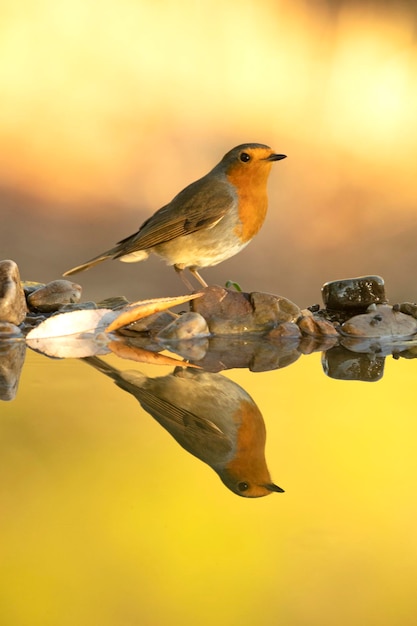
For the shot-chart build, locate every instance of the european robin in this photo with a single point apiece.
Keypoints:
(210, 416)
(207, 222)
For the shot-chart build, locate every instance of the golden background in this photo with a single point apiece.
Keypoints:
(109, 109)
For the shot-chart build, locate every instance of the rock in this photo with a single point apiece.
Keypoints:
(54, 295)
(79, 306)
(381, 320)
(409, 308)
(186, 326)
(315, 325)
(285, 330)
(187, 336)
(13, 307)
(152, 324)
(30, 285)
(353, 293)
(113, 303)
(227, 311)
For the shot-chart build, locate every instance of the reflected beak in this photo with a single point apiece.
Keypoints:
(271, 486)
(276, 157)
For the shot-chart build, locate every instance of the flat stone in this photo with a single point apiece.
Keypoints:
(353, 293)
(381, 320)
(54, 295)
(13, 307)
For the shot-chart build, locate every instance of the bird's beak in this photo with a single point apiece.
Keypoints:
(276, 157)
(271, 486)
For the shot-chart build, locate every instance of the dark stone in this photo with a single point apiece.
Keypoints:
(353, 293)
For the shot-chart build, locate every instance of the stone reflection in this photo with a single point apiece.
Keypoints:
(210, 416)
(342, 364)
(12, 357)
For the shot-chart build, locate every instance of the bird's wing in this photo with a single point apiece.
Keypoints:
(200, 205)
(199, 436)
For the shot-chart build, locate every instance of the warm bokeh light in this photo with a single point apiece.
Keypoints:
(94, 95)
(108, 110)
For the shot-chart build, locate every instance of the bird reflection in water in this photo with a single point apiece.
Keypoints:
(210, 416)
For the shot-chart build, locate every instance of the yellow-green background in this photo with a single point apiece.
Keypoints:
(107, 110)
(106, 520)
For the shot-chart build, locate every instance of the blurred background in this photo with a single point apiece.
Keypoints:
(109, 109)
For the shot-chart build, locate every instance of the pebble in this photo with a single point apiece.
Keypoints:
(186, 326)
(315, 325)
(13, 307)
(187, 336)
(54, 295)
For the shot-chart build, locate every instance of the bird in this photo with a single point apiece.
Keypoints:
(209, 221)
(210, 416)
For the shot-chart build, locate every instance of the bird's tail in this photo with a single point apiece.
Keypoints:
(102, 366)
(91, 263)
(129, 380)
(118, 252)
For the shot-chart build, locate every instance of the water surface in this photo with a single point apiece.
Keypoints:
(106, 520)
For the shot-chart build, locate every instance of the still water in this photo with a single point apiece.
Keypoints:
(106, 520)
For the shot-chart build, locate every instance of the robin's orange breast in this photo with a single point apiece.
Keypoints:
(251, 190)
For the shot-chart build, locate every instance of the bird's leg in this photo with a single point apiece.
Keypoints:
(184, 278)
(198, 277)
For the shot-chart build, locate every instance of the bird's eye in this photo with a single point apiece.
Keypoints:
(245, 157)
(243, 486)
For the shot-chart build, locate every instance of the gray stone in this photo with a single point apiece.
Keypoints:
(54, 295)
(381, 320)
(13, 307)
